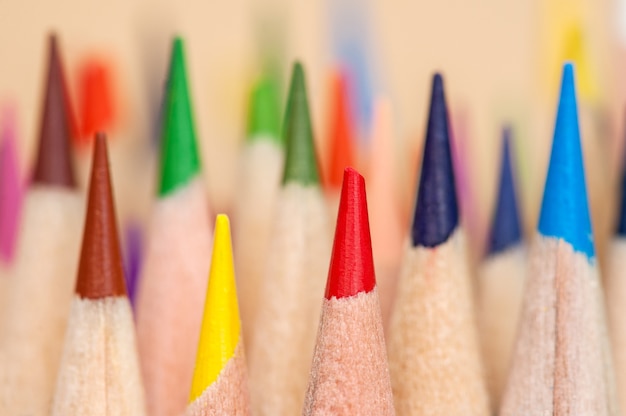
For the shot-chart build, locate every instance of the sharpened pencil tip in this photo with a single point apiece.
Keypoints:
(220, 332)
(101, 271)
(341, 135)
(436, 214)
(300, 162)
(351, 266)
(264, 111)
(179, 153)
(53, 165)
(564, 210)
(505, 227)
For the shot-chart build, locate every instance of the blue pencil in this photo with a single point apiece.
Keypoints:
(562, 362)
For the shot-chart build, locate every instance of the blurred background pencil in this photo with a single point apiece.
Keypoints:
(616, 293)
(44, 273)
(99, 372)
(293, 284)
(501, 278)
(434, 355)
(350, 375)
(220, 380)
(173, 282)
(562, 362)
(260, 167)
(387, 232)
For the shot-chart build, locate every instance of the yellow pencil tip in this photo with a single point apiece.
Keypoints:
(220, 332)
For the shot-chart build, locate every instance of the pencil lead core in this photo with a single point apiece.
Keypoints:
(300, 163)
(436, 214)
(53, 165)
(100, 272)
(505, 228)
(564, 210)
(264, 111)
(351, 266)
(179, 153)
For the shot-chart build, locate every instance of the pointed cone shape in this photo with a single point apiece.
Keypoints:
(220, 331)
(264, 112)
(564, 210)
(53, 165)
(505, 228)
(100, 271)
(341, 132)
(179, 153)
(97, 109)
(436, 213)
(11, 193)
(300, 162)
(351, 265)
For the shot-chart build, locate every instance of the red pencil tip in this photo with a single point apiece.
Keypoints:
(341, 133)
(351, 265)
(96, 100)
(100, 272)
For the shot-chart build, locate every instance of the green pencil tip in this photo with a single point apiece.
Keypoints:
(179, 152)
(300, 161)
(264, 112)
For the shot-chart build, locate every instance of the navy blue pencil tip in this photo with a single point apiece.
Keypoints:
(564, 210)
(505, 228)
(436, 213)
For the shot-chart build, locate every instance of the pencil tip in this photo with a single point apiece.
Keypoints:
(96, 99)
(564, 210)
(300, 161)
(264, 111)
(436, 214)
(53, 165)
(341, 135)
(505, 227)
(11, 188)
(179, 154)
(100, 272)
(351, 265)
(221, 327)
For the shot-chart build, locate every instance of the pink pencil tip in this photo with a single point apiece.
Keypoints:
(351, 265)
(11, 189)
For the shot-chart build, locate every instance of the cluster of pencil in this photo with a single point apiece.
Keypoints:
(381, 323)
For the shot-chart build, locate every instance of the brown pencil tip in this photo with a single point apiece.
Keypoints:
(100, 273)
(53, 165)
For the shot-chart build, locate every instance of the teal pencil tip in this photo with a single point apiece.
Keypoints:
(179, 153)
(565, 210)
(300, 161)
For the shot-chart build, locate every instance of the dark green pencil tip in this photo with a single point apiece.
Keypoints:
(179, 152)
(264, 112)
(300, 161)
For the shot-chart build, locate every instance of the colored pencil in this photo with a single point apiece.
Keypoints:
(284, 333)
(434, 355)
(220, 381)
(501, 279)
(260, 167)
(44, 272)
(11, 196)
(615, 292)
(341, 140)
(387, 231)
(562, 360)
(99, 372)
(350, 375)
(173, 279)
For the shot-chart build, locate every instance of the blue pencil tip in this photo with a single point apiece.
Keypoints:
(564, 210)
(436, 213)
(621, 224)
(505, 228)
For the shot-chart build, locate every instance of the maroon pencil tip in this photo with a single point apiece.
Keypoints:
(53, 165)
(100, 272)
(351, 265)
